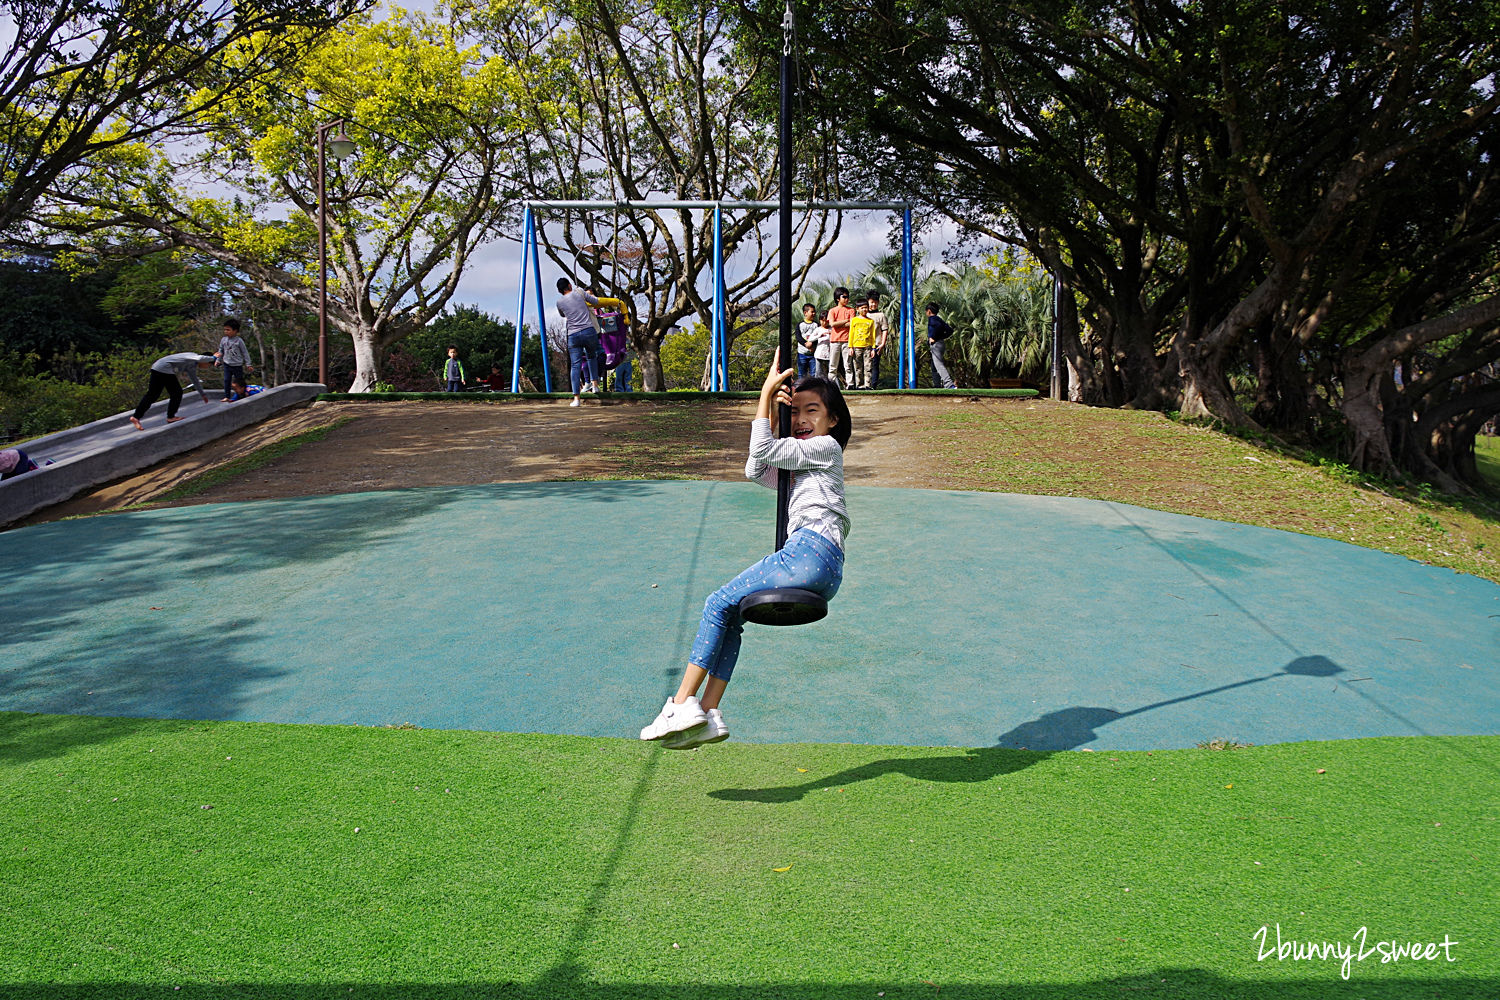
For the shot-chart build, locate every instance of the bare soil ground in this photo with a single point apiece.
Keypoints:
(405, 444)
(1031, 446)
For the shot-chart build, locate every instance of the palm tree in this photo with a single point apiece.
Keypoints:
(820, 293)
(883, 275)
(1000, 322)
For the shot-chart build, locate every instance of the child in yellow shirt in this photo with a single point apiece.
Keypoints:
(862, 344)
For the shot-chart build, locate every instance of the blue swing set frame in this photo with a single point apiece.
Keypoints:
(906, 373)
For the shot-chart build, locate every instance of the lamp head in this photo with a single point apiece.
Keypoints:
(340, 146)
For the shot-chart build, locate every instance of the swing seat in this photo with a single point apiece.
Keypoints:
(783, 606)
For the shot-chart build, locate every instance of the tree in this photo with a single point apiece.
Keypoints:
(432, 121)
(1208, 180)
(683, 351)
(81, 77)
(60, 314)
(482, 340)
(47, 311)
(635, 100)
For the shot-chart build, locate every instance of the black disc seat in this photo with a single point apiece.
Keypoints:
(783, 606)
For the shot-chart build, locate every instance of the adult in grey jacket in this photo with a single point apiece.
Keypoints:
(164, 377)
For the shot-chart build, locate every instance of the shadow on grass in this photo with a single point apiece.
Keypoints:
(567, 982)
(972, 766)
(1025, 745)
(25, 737)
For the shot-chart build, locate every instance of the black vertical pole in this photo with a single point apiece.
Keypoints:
(322, 259)
(784, 477)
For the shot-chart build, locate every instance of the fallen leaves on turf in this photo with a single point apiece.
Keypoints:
(786, 869)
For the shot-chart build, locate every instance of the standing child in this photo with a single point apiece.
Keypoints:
(938, 332)
(842, 361)
(233, 354)
(809, 332)
(862, 347)
(624, 374)
(453, 371)
(812, 558)
(882, 335)
(824, 349)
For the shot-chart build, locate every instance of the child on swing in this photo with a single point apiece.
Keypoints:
(812, 559)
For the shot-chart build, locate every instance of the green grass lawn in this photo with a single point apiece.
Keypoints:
(174, 859)
(1143, 458)
(1487, 455)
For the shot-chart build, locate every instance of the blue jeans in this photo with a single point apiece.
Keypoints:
(582, 346)
(806, 365)
(233, 373)
(807, 561)
(454, 385)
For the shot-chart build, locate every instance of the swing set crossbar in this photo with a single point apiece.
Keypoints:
(906, 376)
(799, 206)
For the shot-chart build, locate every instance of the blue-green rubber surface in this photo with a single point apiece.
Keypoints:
(966, 619)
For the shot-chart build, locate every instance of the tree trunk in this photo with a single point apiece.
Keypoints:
(704, 380)
(1111, 385)
(1083, 385)
(1282, 387)
(367, 360)
(1139, 365)
(1205, 392)
(1370, 449)
(1446, 434)
(260, 349)
(1075, 383)
(648, 359)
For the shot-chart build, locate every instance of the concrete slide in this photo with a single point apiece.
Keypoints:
(93, 454)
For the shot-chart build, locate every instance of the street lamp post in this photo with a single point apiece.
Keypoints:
(341, 146)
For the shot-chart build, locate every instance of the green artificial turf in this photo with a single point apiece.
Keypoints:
(341, 861)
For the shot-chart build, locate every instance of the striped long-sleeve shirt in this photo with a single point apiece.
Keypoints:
(817, 466)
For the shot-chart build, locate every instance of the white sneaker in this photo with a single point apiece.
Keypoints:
(675, 718)
(716, 731)
(575, 401)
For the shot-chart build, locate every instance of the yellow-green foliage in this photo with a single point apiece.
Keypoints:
(404, 83)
